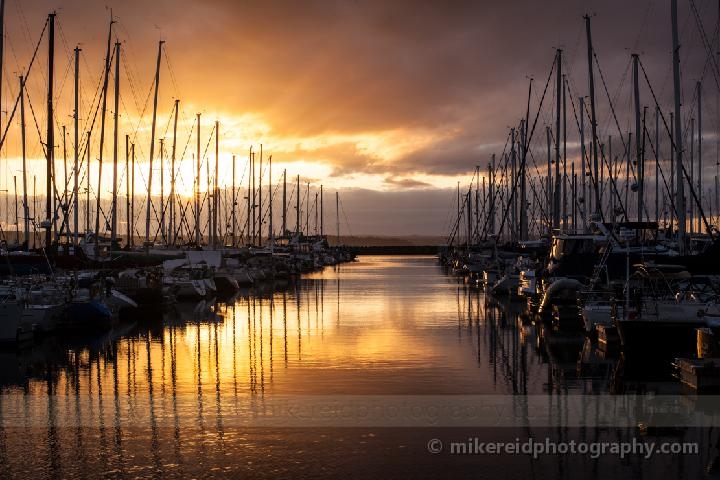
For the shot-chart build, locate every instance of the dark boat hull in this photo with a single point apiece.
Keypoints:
(226, 285)
(658, 340)
(91, 316)
(147, 296)
(25, 264)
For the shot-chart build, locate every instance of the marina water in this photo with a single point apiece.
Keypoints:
(235, 388)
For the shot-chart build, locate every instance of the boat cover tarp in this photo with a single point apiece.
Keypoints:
(195, 257)
(212, 258)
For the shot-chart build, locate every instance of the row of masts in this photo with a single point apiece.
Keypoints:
(523, 204)
(232, 227)
(173, 215)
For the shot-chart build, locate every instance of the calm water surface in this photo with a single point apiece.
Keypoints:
(187, 393)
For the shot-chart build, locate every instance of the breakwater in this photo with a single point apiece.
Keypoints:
(395, 250)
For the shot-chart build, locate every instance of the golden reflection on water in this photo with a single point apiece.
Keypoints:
(384, 325)
(332, 332)
(174, 392)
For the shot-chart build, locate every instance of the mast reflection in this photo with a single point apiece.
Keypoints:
(170, 395)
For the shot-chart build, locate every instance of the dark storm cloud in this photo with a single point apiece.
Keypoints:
(323, 65)
(319, 66)
(455, 69)
(348, 66)
(455, 155)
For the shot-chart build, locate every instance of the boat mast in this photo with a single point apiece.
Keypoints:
(583, 186)
(491, 196)
(113, 214)
(132, 195)
(234, 204)
(102, 131)
(558, 104)
(270, 204)
(671, 200)
(601, 183)
(197, 186)
(172, 239)
(513, 173)
(574, 196)
(699, 155)
(297, 208)
(259, 200)
(680, 194)
(63, 199)
(549, 186)
(457, 194)
(523, 168)
(249, 199)
(2, 51)
(50, 145)
(611, 178)
(468, 240)
(627, 175)
(87, 186)
(36, 241)
(477, 209)
(523, 181)
(127, 191)
(208, 196)
(641, 162)
(253, 205)
(225, 225)
(691, 161)
(565, 176)
(152, 146)
(249, 196)
(284, 198)
(26, 210)
(638, 139)
(337, 215)
(477, 200)
(17, 218)
(163, 233)
(657, 164)
(76, 173)
(321, 211)
(593, 121)
(216, 189)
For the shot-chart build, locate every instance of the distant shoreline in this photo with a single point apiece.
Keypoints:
(391, 245)
(425, 241)
(395, 249)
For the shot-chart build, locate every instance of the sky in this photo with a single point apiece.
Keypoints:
(391, 103)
